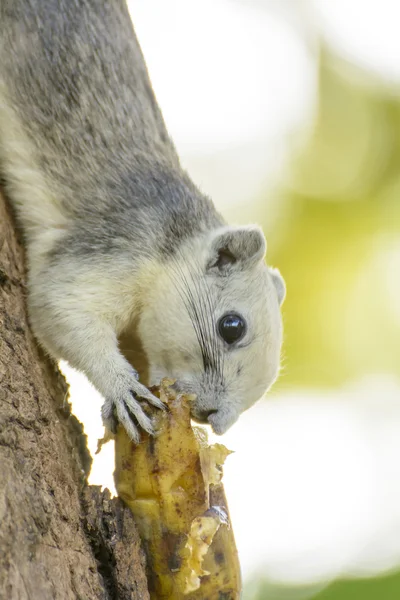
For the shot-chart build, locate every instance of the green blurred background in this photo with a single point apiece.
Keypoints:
(337, 242)
(337, 238)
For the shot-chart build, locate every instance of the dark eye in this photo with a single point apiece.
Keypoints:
(231, 328)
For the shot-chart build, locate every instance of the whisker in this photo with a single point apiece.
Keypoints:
(200, 301)
(211, 301)
(191, 306)
(207, 320)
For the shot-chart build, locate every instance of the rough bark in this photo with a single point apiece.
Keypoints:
(59, 538)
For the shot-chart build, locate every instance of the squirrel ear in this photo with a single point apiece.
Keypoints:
(279, 284)
(241, 246)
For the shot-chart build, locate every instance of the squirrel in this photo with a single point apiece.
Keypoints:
(116, 233)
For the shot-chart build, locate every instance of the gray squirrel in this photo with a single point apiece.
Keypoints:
(116, 234)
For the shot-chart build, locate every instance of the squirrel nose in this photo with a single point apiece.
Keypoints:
(203, 415)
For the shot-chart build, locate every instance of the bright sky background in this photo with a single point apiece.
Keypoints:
(365, 32)
(314, 484)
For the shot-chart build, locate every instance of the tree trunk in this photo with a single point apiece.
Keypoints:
(59, 537)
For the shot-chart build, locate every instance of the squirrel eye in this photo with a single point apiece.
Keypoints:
(231, 328)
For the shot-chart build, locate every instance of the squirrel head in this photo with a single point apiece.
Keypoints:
(212, 322)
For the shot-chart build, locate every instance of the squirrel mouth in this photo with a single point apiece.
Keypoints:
(198, 415)
(203, 416)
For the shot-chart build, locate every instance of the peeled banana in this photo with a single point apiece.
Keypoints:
(172, 484)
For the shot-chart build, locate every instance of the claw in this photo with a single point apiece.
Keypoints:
(140, 416)
(125, 420)
(156, 402)
(145, 394)
(126, 409)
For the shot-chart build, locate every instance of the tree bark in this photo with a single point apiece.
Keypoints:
(59, 538)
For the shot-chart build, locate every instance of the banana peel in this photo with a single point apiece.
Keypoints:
(172, 484)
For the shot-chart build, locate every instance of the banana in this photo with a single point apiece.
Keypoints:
(172, 484)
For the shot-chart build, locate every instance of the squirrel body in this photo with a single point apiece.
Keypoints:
(116, 233)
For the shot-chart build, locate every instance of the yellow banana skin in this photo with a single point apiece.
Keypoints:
(172, 484)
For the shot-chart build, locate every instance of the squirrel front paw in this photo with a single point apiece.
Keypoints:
(124, 407)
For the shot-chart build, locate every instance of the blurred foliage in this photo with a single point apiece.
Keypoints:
(336, 239)
(380, 588)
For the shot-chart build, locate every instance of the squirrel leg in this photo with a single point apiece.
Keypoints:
(88, 342)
